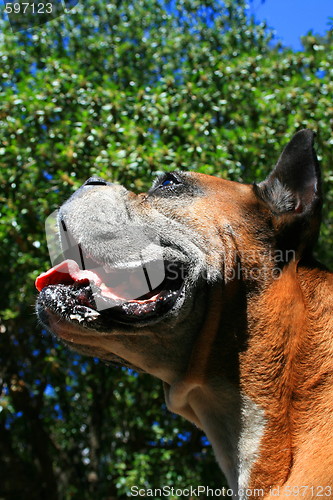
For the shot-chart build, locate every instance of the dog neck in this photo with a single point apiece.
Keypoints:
(212, 402)
(255, 345)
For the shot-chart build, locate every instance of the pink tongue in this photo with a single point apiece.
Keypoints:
(66, 273)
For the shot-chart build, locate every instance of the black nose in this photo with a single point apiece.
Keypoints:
(96, 181)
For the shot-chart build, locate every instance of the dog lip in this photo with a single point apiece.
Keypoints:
(117, 284)
(68, 272)
(68, 301)
(65, 329)
(76, 300)
(141, 312)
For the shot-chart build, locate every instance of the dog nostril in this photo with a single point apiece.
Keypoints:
(96, 181)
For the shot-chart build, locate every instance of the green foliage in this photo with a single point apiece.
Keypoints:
(122, 90)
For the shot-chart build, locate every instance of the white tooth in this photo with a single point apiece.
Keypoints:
(88, 315)
(91, 314)
(77, 317)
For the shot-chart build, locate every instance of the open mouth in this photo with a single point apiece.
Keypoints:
(99, 295)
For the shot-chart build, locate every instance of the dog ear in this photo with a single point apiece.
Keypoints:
(292, 191)
(294, 184)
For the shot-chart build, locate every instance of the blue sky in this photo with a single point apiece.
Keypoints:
(293, 18)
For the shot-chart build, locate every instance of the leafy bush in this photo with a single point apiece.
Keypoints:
(123, 90)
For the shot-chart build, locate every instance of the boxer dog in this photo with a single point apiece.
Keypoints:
(211, 286)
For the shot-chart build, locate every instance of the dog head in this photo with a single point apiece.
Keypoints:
(139, 274)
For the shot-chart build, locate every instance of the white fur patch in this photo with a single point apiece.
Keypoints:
(252, 429)
(235, 425)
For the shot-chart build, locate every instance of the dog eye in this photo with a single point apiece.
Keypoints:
(167, 184)
(168, 181)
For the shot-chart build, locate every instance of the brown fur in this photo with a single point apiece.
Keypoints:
(262, 333)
